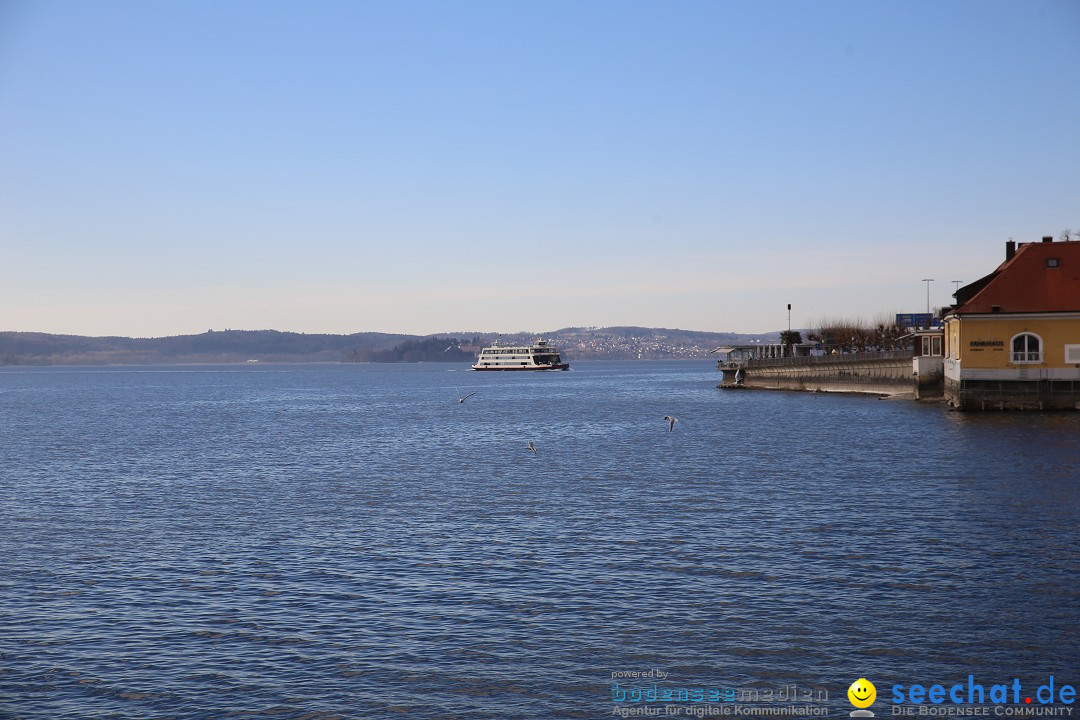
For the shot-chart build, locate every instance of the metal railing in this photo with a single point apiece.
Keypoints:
(824, 359)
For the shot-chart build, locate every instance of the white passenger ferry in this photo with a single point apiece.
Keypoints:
(541, 355)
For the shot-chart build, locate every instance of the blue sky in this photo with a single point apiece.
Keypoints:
(171, 167)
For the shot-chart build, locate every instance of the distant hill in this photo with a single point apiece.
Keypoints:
(17, 348)
(431, 349)
(235, 346)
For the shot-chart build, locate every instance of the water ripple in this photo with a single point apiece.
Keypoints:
(351, 542)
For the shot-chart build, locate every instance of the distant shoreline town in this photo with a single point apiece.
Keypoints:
(240, 346)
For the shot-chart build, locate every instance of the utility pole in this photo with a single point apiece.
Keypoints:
(956, 286)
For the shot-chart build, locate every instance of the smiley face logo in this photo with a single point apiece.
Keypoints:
(862, 693)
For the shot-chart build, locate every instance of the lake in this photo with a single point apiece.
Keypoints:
(350, 541)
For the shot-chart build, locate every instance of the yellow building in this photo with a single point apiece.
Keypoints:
(1012, 341)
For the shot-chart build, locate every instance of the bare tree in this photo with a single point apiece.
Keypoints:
(846, 336)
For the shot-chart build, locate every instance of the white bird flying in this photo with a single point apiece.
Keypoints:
(531, 447)
(671, 422)
(463, 398)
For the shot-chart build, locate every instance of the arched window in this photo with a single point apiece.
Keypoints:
(1026, 348)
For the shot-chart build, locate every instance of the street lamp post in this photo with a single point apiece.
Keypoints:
(928, 281)
(788, 336)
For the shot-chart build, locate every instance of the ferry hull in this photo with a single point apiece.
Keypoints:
(510, 368)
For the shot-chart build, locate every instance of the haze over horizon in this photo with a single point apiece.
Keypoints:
(412, 168)
(464, 334)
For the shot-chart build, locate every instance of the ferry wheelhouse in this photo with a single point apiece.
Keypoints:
(541, 355)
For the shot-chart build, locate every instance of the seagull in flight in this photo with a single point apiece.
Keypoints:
(671, 420)
(463, 398)
(531, 447)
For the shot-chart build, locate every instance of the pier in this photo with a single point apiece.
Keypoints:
(878, 373)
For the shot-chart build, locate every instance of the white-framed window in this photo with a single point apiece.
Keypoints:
(1027, 348)
(1072, 354)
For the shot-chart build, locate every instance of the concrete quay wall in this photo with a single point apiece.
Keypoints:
(928, 374)
(900, 374)
(1013, 394)
(874, 373)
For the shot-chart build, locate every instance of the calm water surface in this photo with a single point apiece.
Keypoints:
(352, 542)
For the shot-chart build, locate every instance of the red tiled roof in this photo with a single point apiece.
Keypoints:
(1025, 283)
